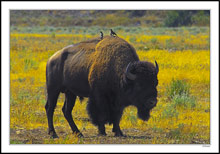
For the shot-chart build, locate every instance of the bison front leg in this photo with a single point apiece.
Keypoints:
(97, 114)
(101, 128)
(67, 111)
(116, 128)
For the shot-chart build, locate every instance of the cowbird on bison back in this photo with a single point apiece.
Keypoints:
(112, 33)
(109, 73)
(101, 35)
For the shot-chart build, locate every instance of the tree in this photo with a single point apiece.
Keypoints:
(179, 18)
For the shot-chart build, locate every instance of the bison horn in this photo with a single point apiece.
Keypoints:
(157, 67)
(128, 73)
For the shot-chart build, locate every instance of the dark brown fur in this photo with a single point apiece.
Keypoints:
(97, 69)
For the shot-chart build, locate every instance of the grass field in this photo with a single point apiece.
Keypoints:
(182, 115)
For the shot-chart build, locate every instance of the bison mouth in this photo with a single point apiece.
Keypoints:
(144, 114)
(145, 109)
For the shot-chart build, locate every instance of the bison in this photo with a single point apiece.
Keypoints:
(108, 72)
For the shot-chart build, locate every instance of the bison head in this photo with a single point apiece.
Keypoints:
(140, 86)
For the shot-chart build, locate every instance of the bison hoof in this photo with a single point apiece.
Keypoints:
(102, 134)
(119, 134)
(53, 135)
(80, 135)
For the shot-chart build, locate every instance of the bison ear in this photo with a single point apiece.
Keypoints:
(129, 75)
(157, 67)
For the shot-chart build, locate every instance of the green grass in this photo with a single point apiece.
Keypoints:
(136, 35)
(15, 142)
(123, 30)
(29, 63)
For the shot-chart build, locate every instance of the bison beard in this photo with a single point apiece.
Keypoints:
(109, 73)
(98, 114)
(144, 114)
(106, 115)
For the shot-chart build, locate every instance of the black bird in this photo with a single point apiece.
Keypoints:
(113, 33)
(101, 35)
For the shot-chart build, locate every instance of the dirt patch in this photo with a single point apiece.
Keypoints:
(38, 136)
(133, 136)
(23, 136)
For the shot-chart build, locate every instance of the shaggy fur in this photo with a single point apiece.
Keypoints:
(97, 69)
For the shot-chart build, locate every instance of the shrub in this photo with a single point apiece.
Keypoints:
(202, 18)
(170, 112)
(179, 18)
(179, 93)
(178, 87)
(171, 19)
(184, 101)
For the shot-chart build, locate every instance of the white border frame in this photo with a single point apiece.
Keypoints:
(214, 35)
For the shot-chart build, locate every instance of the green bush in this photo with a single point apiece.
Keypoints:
(170, 111)
(178, 87)
(202, 18)
(184, 101)
(179, 93)
(171, 19)
(179, 18)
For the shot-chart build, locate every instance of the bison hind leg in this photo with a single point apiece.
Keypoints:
(67, 111)
(52, 97)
